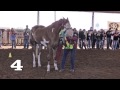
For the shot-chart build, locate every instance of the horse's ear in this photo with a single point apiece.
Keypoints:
(63, 18)
(67, 19)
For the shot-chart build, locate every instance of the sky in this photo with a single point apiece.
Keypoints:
(78, 20)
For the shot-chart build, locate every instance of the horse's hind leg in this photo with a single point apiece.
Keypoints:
(48, 65)
(34, 62)
(34, 50)
(39, 62)
(55, 65)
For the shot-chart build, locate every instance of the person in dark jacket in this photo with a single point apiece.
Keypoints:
(89, 39)
(13, 38)
(26, 37)
(101, 39)
(108, 35)
(93, 37)
(98, 40)
(83, 37)
(115, 39)
(80, 36)
(104, 37)
(70, 46)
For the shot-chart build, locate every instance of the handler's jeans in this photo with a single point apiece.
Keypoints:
(72, 57)
(26, 43)
(13, 43)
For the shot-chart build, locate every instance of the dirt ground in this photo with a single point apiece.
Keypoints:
(89, 64)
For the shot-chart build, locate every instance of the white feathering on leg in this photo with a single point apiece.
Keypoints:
(34, 62)
(48, 67)
(55, 65)
(39, 62)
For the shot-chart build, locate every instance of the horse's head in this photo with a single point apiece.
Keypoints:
(58, 26)
(64, 23)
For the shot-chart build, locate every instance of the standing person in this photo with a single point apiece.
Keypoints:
(75, 31)
(108, 35)
(89, 39)
(115, 39)
(101, 39)
(104, 38)
(98, 40)
(93, 36)
(112, 38)
(26, 37)
(13, 38)
(70, 46)
(83, 37)
(0, 38)
(80, 36)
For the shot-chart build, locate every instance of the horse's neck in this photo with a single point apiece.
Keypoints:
(54, 26)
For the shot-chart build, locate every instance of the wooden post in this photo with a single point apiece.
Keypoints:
(38, 13)
(54, 15)
(93, 20)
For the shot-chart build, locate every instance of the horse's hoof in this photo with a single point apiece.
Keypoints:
(48, 71)
(56, 69)
(34, 66)
(39, 65)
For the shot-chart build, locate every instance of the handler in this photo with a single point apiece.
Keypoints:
(70, 46)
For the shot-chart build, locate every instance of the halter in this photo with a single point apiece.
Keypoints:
(67, 25)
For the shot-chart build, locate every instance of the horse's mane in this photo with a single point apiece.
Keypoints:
(54, 23)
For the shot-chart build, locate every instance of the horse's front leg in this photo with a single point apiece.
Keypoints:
(54, 58)
(49, 57)
(39, 53)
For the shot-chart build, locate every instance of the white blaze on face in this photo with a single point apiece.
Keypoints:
(67, 25)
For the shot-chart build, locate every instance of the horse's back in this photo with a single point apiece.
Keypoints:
(37, 27)
(33, 30)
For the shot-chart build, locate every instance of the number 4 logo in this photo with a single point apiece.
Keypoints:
(17, 65)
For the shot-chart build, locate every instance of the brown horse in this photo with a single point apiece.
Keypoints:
(50, 37)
